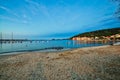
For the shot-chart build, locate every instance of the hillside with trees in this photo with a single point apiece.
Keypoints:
(99, 33)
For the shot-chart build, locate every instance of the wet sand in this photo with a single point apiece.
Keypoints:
(94, 63)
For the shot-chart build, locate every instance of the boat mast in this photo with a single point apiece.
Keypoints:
(1, 36)
(12, 36)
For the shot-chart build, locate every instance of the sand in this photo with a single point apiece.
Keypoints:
(94, 63)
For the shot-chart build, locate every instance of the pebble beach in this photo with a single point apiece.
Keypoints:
(92, 63)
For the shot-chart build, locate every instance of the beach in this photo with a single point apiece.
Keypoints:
(92, 63)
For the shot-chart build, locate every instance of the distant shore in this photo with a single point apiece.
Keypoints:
(92, 63)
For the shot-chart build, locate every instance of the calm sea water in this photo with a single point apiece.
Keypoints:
(41, 45)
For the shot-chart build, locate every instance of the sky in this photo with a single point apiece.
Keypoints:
(47, 19)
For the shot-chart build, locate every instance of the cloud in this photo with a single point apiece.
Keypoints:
(8, 18)
(17, 18)
(8, 10)
(13, 19)
(110, 23)
(105, 20)
(25, 21)
(24, 16)
(32, 7)
(36, 7)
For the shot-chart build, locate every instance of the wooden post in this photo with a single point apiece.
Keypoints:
(1, 40)
(1, 36)
(12, 35)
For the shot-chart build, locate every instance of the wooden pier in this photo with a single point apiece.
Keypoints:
(19, 40)
(12, 39)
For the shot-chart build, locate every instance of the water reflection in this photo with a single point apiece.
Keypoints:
(10, 46)
(0, 44)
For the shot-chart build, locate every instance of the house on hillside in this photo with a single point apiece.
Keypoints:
(82, 38)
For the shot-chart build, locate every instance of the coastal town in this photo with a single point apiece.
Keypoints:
(115, 37)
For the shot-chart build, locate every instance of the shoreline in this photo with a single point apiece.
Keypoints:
(46, 51)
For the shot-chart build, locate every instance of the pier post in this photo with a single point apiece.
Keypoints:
(1, 36)
(12, 37)
(1, 40)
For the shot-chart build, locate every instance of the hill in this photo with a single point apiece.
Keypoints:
(99, 34)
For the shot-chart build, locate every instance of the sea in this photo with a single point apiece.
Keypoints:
(45, 45)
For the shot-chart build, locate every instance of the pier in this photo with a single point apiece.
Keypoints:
(19, 40)
(4, 39)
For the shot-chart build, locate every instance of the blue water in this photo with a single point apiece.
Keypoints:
(41, 45)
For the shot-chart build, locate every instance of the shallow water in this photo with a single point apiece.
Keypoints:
(41, 45)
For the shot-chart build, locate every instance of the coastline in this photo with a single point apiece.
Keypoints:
(89, 63)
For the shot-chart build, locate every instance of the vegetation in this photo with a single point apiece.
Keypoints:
(100, 33)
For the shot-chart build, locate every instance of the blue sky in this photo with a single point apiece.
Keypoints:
(38, 19)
